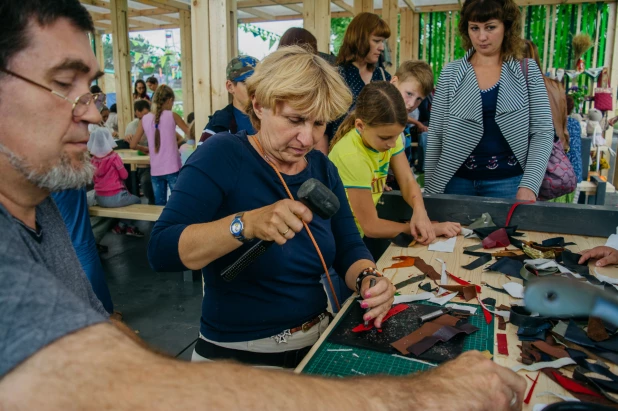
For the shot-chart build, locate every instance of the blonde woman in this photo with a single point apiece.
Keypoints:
(229, 194)
(160, 129)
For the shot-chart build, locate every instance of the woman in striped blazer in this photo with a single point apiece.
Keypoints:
(490, 132)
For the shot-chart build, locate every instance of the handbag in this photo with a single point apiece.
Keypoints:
(559, 178)
(604, 98)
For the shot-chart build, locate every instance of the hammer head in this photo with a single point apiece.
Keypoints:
(318, 198)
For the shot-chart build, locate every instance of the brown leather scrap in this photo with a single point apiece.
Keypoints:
(404, 261)
(426, 330)
(501, 323)
(446, 320)
(596, 329)
(555, 351)
(468, 292)
(426, 269)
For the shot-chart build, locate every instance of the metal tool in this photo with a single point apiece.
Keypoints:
(372, 282)
(435, 314)
(562, 297)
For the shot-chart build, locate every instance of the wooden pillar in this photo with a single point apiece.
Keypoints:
(316, 19)
(122, 63)
(390, 13)
(200, 24)
(98, 49)
(233, 28)
(407, 36)
(613, 69)
(416, 38)
(219, 49)
(361, 6)
(186, 61)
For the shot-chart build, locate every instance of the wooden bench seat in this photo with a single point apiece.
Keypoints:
(142, 212)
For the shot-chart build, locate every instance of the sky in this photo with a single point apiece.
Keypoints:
(247, 44)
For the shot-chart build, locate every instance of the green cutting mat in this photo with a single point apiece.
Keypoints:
(367, 362)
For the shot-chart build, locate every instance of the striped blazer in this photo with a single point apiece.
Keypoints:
(456, 125)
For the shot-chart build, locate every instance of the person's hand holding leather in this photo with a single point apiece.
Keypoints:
(525, 194)
(278, 222)
(379, 298)
(606, 256)
(470, 382)
(447, 229)
(421, 228)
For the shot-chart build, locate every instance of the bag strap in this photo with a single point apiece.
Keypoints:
(383, 75)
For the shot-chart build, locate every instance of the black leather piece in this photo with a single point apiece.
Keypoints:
(577, 406)
(427, 287)
(570, 260)
(516, 242)
(507, 266)
(500, 290)
(533, 333)
(478, 262)
(489, 301)
(402, 240)
(410, 281)
(580, 374)
(521, 318)
(555, 242)
(578, 336)
(476, 253)
(483, 232)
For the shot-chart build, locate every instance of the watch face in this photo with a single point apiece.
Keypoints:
(236, 227)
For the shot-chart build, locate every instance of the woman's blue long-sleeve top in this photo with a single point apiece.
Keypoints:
(279, 290)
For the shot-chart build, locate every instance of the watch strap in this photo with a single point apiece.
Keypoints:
(367, 272)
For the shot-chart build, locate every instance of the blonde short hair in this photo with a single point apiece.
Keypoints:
(419, 71)
(301, 79)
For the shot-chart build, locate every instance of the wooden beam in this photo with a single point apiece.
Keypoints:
(122, 63)
(172, 5)
(344, 5)
(143, 26)
(416, 35)
(316, 19)
(521, 3)
(257, 3)
(293, 17)
(294, 7)
(409, 4)
(361, 6)
(186, 61)
(454, 28)
(98, 49)
(407, 36)
(523, 22)
(219, 39)
(167, 19)
(233, 29)
(200, 22)
(259, 13)
(390, 14)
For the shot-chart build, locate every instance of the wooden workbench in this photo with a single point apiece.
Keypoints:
(454, 261)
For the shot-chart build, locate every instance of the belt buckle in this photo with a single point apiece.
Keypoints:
(306, 326)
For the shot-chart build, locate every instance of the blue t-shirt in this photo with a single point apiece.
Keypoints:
(492, 159)
(243, 121)
(279, 290)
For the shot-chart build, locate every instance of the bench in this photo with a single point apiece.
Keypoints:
(141, 212)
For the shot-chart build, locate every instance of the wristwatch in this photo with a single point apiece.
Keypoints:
(366, 273)
(237, 228)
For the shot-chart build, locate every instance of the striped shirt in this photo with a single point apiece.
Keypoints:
(456, 126)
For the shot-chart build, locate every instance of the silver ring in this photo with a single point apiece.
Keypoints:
(286, 231)
(513, 401)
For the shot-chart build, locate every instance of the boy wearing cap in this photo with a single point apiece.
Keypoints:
(233, 117)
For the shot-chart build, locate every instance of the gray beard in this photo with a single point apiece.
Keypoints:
(63, 176)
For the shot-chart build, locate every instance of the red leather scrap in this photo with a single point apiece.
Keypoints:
(404, 261)
(503, 346)
(529, 396)
(498, 238)
(573, 386)
(394, 310)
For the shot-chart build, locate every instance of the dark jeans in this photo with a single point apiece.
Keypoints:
(145, 181)
(160, 184)
(503, 188)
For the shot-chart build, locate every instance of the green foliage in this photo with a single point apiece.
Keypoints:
(265, 35)
(337, 30)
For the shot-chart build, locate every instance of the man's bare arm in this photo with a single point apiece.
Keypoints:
(101, 368)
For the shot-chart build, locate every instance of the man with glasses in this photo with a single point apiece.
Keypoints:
(57, 348)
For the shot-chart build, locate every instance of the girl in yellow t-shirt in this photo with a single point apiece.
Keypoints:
(365, 145)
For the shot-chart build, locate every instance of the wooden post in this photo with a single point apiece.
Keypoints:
(446, 37)
(186, 50)
(219, 40)
(524, 12)
(425, 40)
(200, 24)
(546, 39)
(122, 63)
(316, 19)
(595, 52)
(579, 19)
(406, 36)
(613, 69)
(552, 40)
(233, 29)
(390, 13)
(454, 28)
(98, 49)
(415, 35)
(361, 6)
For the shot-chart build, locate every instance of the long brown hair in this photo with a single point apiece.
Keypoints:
(379, 103)
(481, 11)
(162, 94)
(356, 39)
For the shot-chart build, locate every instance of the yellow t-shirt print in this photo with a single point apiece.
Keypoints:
(362, 167)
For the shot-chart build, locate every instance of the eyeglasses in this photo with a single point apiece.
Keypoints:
(80, 104)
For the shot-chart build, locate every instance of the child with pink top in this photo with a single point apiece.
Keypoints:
(109, 177)
(160, 130)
